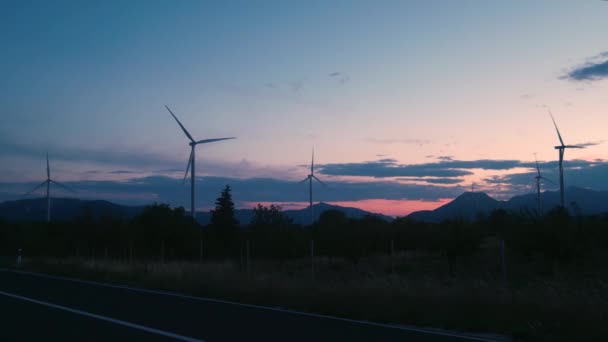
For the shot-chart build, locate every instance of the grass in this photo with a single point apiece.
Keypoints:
(554, 308)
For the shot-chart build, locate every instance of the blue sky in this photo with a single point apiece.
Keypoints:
(410, 81)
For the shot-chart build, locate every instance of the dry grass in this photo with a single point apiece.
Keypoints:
(550, 309)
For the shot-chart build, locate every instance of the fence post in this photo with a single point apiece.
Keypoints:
(162, 252)
(392, 257)
(503, 262)
(312, 259)
(19, 257)
(130, 252)
(247, 256)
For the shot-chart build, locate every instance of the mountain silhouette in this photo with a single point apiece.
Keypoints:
(68, 209)
(299, 216)
(64, 209)
(472, 205)
(467, 206)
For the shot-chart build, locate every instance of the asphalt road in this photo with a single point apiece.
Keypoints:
(36, 307)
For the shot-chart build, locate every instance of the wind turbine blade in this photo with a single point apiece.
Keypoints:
(548, 180)
(305, 179)
(590, 143)
(48, 168)
(205, 141)
(556, 129)
(180, 124)
(36, 188)
(312, 162)
(318, 180)
(575, 146)
(187, 168)
(63, 186)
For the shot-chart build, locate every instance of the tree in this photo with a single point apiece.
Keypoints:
(271, 230)
(269, 217)
(222, 217)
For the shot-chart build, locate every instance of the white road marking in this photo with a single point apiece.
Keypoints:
(103, 318)
(294, 312)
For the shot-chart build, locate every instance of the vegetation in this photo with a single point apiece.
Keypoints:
(551, 284)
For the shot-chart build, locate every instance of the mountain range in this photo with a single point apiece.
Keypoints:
(470, 205)
(68, 209)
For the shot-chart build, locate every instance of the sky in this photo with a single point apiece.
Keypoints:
(406, 103)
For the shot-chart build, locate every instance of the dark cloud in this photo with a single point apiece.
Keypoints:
(173, 191)
(123, 172)
(592, 143)
(110, 156)
(445, 168)
(595, 69)
(341, 77)
(143, 190)
(118, 161)
(383, 169)
(433, 180)
(444, 180)
(580, 173)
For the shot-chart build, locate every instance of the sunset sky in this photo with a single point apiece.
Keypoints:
(406, 103)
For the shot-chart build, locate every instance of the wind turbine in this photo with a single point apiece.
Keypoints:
(538, 177)
(309, 178)
(192, 160)
(48, 182)
(562, 148)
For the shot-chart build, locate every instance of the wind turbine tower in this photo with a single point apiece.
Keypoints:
(192, 159)
(562, 148)
(48, 182)
(538, 178)
(309, 178)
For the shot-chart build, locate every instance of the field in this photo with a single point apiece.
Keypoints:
(410, 288)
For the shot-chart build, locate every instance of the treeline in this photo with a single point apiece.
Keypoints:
(161, 232)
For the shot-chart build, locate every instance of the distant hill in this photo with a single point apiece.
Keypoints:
(64, 209)
(68, 209)
(466, 206)
(300, 216)
(470, 205)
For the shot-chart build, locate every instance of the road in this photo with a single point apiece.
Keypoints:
(35, 307)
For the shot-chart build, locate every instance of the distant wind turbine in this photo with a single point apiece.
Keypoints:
(192, 159)
(562, 148)
(48, 182)
(309, 178)
(538, 178)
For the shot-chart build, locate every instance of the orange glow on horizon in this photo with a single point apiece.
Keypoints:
(380, 206)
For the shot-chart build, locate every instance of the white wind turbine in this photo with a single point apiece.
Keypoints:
(48, 182)
(192, 159)
(562, 148)
(309, 178)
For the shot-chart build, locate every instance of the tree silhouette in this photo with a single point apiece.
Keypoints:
(272, 216)
(223, 223)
